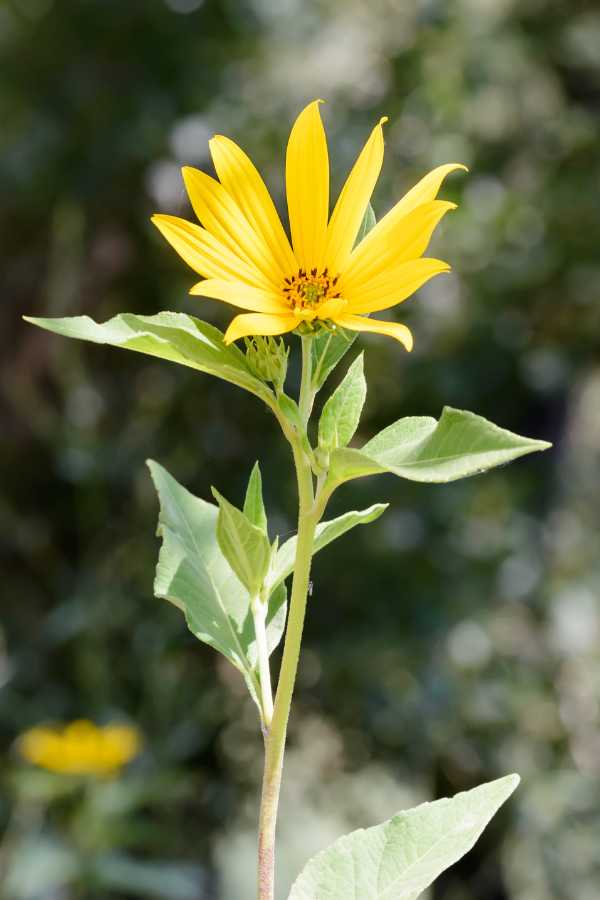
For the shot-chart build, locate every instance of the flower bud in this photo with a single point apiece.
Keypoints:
(267, 358)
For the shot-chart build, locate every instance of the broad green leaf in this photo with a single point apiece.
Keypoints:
(254, 506)
(325, 534)
(341, 414)
(245, 547)
(193, 574)
(399, 859)
(174, 336)
(421, 449)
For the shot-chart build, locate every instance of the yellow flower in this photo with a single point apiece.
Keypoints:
(81, 748)
(246, 258)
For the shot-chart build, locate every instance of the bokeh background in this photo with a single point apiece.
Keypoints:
(455, 640)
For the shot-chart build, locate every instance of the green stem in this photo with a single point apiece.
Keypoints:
(259, 615)
(275, 737)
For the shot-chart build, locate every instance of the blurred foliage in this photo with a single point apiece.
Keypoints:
(454, 640)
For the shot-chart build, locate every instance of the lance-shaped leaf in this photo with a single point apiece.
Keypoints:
(327, 349)
(245, 547)
(326, 533)
(254, 506)
(341, 414)
(399, 859)
(193, 574)
(174, 336)
(422, 449)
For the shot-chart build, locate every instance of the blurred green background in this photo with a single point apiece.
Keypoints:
(455, 640)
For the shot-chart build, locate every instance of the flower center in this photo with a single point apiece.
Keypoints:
(306, 291)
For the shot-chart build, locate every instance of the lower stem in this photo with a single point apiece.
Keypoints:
(275, 736)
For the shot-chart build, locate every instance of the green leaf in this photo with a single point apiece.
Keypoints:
(327, 349)
(399, 859)
(245, 547)
(369, 221)
(193, 574)
(174, 336)
(254, 506)
(325, 534)
(40, 865)
(421, 449)
(341, 414)
(291, 410)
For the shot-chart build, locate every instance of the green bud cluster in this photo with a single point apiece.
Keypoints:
(267, 358)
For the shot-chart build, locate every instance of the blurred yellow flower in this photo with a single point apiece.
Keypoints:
(81, 747)
(247, 260)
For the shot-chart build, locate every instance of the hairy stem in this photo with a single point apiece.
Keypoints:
(275, 736)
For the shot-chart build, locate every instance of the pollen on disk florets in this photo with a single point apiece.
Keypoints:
(306, 291)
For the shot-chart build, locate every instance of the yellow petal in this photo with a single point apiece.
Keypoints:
(33, 744)
(306, 314)
(123, 742)
(239, 294)
(353, 200)
(203, 252)
(395, 285)
(257, 323)
(307, 187)
(332, 309)
(407, 240)
(423, 192)
(393, 329)
(220, 215)
(240, 178)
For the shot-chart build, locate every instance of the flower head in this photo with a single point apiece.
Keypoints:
(246, 259)
(81, 748)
